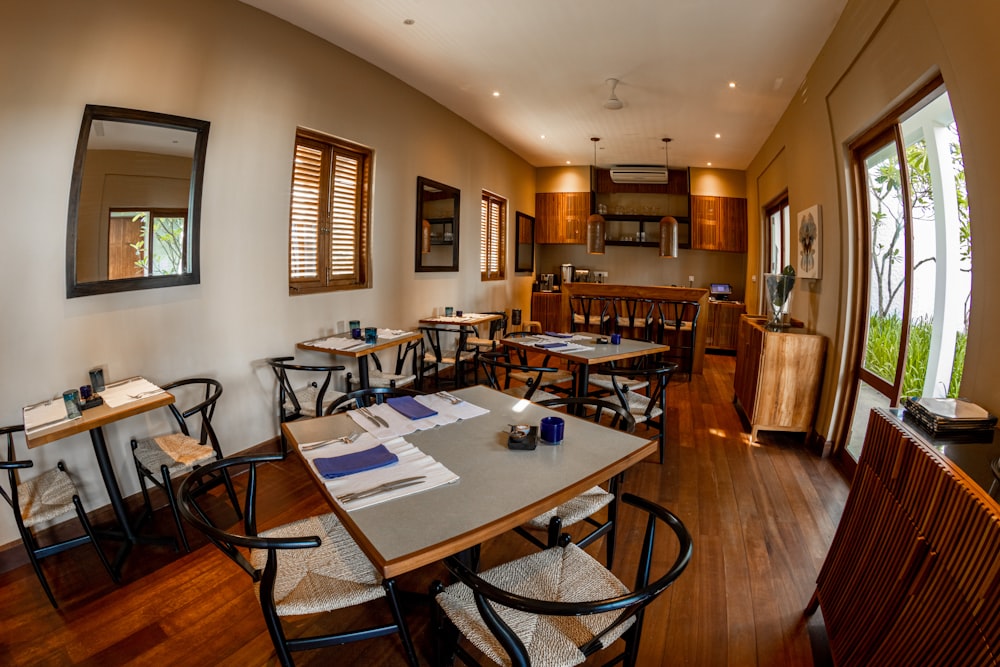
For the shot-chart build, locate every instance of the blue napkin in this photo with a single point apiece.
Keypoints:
(409, 407)
(548, 346)
(348, 464)
(558, 335)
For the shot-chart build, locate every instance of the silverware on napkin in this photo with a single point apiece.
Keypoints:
(381, 488)
(374, 418)
(347, 439)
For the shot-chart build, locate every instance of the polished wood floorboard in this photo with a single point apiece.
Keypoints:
(762, 517)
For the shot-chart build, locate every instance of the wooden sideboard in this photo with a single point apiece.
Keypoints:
(546, 310)
(778, 376)
(912, 575)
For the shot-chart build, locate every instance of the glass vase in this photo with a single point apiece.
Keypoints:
(779, 293)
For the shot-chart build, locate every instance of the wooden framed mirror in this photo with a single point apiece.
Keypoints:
(438, 207)
(524, 248)
(135, 201)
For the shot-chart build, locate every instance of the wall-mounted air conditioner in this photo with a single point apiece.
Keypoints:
(639, 174)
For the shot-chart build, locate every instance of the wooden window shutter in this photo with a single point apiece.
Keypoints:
(493, 237)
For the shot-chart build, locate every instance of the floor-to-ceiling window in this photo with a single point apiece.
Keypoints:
(914, 237)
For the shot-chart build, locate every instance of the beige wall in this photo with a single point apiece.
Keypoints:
(880, 52)
(255, 79)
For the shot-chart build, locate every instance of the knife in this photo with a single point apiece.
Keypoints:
(375, 419)
(381, 488)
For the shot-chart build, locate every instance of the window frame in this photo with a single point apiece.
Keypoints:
(493, 237)
(317, 198)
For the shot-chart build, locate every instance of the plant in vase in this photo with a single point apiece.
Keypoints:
(779, 289)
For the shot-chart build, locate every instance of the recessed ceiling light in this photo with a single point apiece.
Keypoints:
(709, 164)
(718, 136)
(732, 84)
(543, 136)
(568, 162)
(496, 93)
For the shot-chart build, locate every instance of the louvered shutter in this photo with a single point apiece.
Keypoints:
(493, 242)
(345, 204)
(307, 214)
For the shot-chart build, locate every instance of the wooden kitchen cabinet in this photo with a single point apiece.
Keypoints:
(546, 309)
(722, 323)
(561, 217)
(719, 223)
(778, 376)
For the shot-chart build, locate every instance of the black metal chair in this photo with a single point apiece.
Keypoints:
(478, 344)
(500, 613)
(556, 379)
(499, 370)
(178, 453)
(362, 398)
(437, 357)
(377, 377)
(649, 408)
(633, 318)
(305, 401)
(589, 313)
(309, 566)
(587, 504)
(46, 497)
(678, 322)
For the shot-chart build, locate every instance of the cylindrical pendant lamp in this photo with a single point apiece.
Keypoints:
(668, 237)
(595, 235)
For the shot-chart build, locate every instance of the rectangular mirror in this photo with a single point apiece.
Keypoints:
(135, 200)
(437, 226)
(524, 249)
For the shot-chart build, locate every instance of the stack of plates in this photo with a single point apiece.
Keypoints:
(950, 417)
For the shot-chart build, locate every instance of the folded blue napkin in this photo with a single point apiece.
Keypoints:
(549, 346)
(555, 334)
(409, 407)
(348, 464)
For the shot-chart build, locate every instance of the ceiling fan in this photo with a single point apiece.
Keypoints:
(613, 102)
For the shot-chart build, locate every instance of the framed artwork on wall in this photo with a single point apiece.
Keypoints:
(809, 243)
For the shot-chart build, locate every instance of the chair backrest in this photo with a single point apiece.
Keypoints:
(12, 465)
(498, 328)
(657, 375)
(628, 606)
(362, 398)
(587, 312)
(286, 389)
(678, 314)
(196, 399)
(229, 541)
(432, 336)
(630, 314)
(497, 367)
(620, 418)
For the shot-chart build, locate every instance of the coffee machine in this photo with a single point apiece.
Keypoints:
(566, 272)
(546, 282)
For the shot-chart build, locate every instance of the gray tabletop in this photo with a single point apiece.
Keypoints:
(498, 488)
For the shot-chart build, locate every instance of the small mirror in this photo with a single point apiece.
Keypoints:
(135, 201)
(437, 226)
(524, 249)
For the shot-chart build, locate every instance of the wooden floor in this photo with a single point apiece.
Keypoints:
(762, 517)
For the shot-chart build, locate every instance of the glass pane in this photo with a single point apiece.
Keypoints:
(168, 245)
(867, 398)
(887, 270)
(941, 282)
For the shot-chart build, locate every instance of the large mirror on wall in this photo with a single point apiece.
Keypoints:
(135, 200)
(524, 249)
(437, 226)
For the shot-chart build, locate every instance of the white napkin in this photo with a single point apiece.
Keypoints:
(400, 424)
(44, 414)
(412, 462)
(392, 333)
(339, 342)
(120, 393)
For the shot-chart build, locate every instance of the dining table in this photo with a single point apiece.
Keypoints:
(343, 344)
(478, 488)
(583, 350)
(93, 421)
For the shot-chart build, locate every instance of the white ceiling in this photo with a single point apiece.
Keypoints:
(550, 61)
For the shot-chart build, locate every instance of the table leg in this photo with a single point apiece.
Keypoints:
(363, 371)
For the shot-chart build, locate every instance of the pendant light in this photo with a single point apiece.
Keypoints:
(595, 223)
(668, 223)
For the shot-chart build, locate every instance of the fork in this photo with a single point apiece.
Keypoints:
(346, 439)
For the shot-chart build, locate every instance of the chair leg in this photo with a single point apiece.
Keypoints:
(30, 545)
(445, 633)
(404, 633)
(93, 539)
(227, 480)
(174, 508)
(554, 530)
